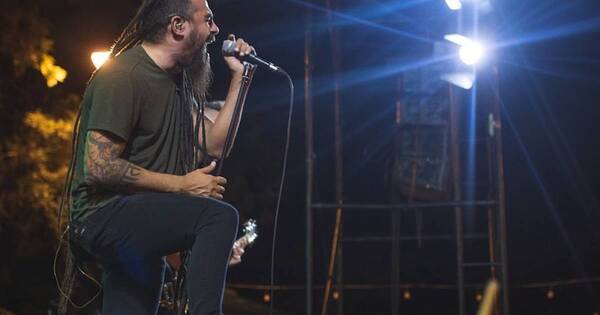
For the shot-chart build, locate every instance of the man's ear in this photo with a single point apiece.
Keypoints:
(178, 26)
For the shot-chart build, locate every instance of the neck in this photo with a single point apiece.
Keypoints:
(165, 57)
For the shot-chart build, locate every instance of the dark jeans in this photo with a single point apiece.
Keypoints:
(131, 236)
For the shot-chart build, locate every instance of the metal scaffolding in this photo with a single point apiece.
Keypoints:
(494, 204)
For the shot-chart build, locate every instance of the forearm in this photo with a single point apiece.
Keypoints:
(218, 132)
(104, 168)
(121, 175)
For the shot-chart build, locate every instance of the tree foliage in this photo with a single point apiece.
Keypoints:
(35, 131)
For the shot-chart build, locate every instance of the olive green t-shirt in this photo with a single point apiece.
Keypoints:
(135, 100)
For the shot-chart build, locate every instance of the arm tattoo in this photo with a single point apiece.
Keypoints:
(103, 165)
(132, 174)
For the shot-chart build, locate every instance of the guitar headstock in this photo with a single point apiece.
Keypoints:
(250, 231)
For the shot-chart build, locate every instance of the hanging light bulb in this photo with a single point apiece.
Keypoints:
(407, 295)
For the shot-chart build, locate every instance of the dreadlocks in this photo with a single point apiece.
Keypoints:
(149, 24)
(150, 21)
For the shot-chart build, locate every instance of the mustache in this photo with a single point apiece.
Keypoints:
(211, 39)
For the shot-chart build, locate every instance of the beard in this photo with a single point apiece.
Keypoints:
(196, 64)
(200, 73)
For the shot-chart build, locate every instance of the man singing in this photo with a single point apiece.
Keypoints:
(138, 192)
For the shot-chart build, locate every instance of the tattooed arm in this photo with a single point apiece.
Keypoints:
(105, 168)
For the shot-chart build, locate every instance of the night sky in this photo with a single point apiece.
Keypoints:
(550, 88)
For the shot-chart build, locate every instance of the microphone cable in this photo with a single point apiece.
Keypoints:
(281, 184)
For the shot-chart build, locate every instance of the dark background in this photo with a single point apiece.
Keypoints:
(549, 84)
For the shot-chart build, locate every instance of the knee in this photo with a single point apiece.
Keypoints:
(228, 215)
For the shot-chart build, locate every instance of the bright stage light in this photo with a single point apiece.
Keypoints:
(463, 80)
(99, 58)
(470, 51)
(458, 39)
(471, 54)
(454, 4)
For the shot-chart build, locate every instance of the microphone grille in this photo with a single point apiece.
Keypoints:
(228, 48)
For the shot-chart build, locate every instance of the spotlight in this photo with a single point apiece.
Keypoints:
(99, 58)
(454, 4)
(463, 80)
(470, 51)
(471, 54)
(458, 39)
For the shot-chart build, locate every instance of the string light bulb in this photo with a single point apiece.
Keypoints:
(478, 296)
(267, 298)
(550, 294)
(335, 295)
(407, 295)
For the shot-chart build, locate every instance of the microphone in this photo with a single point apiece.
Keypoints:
(229, 51)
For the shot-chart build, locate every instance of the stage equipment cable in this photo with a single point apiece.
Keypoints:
(281, 184)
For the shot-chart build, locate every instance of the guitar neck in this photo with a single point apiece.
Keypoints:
(244, 241)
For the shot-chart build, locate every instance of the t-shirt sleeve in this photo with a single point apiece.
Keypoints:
(114, 107)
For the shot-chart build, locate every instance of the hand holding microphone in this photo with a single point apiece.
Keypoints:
(240, 48)
(244, 52)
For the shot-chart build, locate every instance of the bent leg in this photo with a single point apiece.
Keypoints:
(211, 251)
(148, 226)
